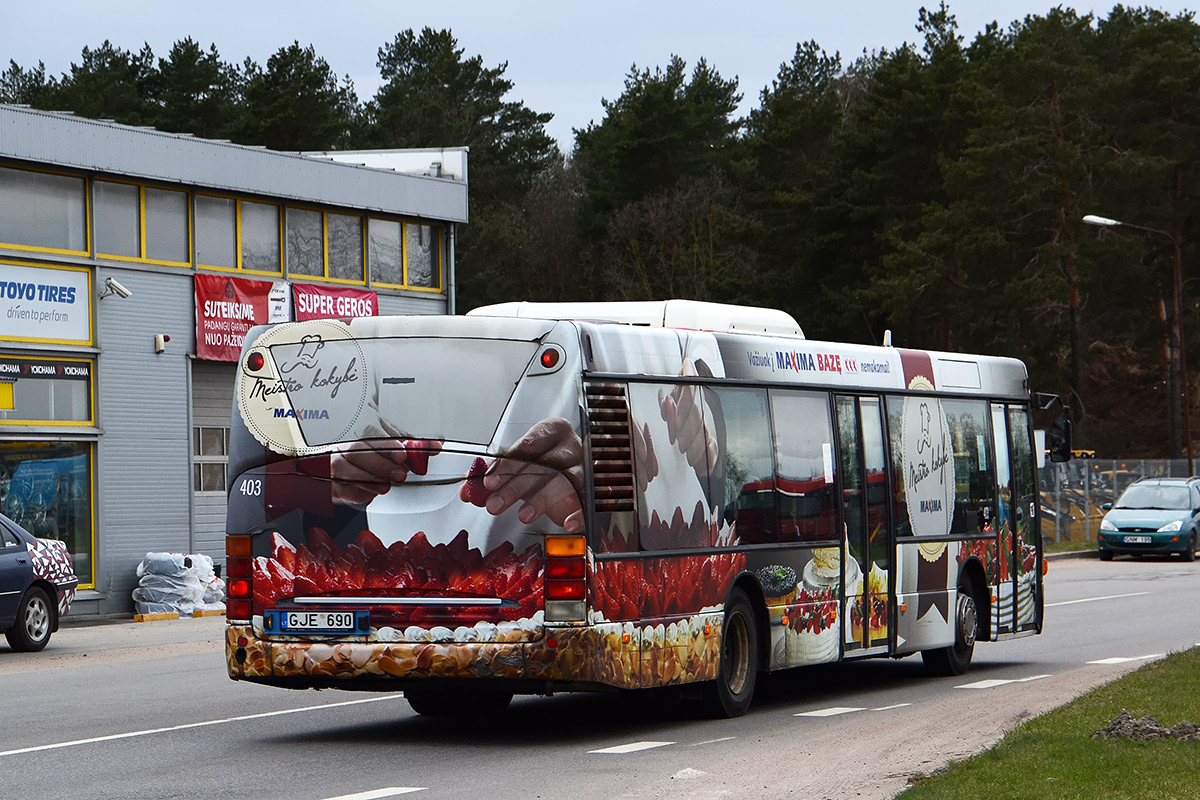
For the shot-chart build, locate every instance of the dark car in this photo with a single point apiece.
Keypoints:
(1154, 516)
(37, 585)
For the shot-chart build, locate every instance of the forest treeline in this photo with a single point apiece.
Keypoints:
(935, 190)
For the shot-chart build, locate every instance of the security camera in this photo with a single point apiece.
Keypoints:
(116, 288)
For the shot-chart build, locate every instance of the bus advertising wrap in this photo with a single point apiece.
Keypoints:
(429, 503)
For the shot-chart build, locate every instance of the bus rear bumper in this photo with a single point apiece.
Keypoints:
(595, 656)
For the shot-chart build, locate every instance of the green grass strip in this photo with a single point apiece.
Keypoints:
(1055, 756)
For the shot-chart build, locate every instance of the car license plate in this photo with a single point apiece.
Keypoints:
(1137, 540)
(303, 621)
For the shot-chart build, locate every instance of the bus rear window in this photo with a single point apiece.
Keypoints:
(354, 389)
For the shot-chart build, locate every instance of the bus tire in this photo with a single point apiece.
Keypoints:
(956, 659)
(464, 703)
(34, 623)
(730, 694)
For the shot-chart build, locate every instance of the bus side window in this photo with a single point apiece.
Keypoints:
(974, 460)
(749, 499)
(895, 412)
(804, 467)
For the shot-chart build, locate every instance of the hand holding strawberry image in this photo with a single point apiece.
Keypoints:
(690, 423)
(543, 470)
(366, 469)
(646, 468)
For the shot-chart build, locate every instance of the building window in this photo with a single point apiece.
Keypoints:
(46, 488)
(42, 210)
(46, 390)
(404, 253)
(210, 458)
(216, 231)
(385, 251)
(167, 226)
(305, 242)
(141, 222)
(345, 247)
(260, 236)
(423, 257)
(118, 219)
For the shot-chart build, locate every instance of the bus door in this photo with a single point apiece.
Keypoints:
(1018, 571)
(865, 517)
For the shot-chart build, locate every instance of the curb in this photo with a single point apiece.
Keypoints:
(1095, 553)
(167, 615)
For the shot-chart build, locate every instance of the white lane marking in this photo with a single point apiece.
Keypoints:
(714, 741)
(992, 683)
(112, 737)
(1094, 599)
(829, 712)
(632, 747)
(1126, 660)
(377, 794)
(889, 708)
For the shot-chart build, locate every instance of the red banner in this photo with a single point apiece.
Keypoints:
(226, 309)
(323, 302)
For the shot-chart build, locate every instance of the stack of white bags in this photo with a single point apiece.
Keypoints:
(178, 582)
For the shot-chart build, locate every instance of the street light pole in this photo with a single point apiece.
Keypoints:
(1178, 365)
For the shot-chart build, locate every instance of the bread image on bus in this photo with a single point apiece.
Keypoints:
(534, 498)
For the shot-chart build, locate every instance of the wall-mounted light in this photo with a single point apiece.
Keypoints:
(160, 342)
(112, 286)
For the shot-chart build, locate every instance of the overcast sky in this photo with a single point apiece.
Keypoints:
(563, 56)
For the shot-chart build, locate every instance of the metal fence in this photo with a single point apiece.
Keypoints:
(1072, 493)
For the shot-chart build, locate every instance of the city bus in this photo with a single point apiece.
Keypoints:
(539, 498)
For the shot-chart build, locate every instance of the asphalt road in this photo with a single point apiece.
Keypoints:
(126, 711)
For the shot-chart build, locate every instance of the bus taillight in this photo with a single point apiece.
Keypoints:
(566, 578)
(239, 571)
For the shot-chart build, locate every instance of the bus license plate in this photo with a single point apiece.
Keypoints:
(1137, 540)
(320, 622)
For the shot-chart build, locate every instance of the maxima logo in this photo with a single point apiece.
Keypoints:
(302, 413)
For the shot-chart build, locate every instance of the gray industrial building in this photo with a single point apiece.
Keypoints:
(131, 263)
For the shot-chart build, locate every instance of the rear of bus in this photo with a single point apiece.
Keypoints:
(405, 508)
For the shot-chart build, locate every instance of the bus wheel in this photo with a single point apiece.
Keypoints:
(729, 695)
(464, 703)
(956, 659)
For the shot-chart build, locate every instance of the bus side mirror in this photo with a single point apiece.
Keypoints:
(1059, 440)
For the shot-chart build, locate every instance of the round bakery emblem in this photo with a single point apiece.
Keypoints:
(927, 454)
(303, 386)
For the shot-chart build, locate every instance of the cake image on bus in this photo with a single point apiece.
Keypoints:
(779, 587)
(810, 631)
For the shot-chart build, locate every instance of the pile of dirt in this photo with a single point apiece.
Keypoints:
(1124, 726)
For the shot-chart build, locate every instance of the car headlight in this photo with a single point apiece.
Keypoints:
(1105, 525)
(1174, 525)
